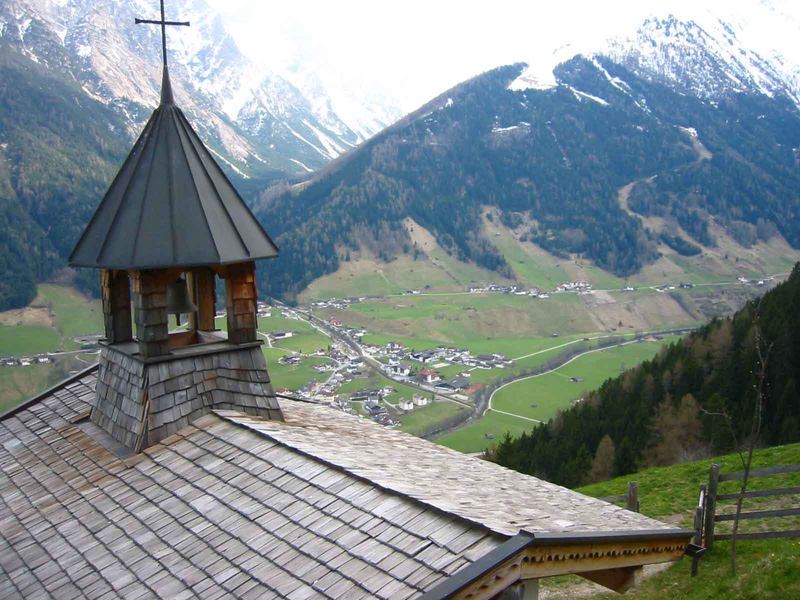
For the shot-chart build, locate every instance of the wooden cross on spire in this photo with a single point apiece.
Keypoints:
(163, 22)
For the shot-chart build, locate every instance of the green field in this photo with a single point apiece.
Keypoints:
(61, 313)
(549, 393)
(541, 397)
(67, 314)
(305, 340)
(485, 432)
(24, 340)
(74, 313)
(419, 420)
(20, 383)
(767, 569)
(293, 377)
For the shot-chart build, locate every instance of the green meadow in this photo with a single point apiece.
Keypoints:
(293, 377)
(541, 397)
(74, 314)
(479, 435)
(767, 569)
(24, 340)
(420, 420)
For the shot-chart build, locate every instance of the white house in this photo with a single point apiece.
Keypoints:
(420, 400)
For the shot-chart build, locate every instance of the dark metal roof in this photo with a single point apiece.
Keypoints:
(170, 205)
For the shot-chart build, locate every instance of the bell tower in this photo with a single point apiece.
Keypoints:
(170, 226)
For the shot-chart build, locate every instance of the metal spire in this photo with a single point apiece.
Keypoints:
(166, 87)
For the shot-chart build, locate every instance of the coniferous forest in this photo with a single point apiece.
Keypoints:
(668, 409)
(553, 162)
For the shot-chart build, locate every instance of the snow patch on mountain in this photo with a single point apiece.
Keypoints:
(580, 96)
(705, 58)
(536, 76)
(251, 113)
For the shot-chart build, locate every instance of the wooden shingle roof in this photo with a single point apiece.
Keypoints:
(320, 505)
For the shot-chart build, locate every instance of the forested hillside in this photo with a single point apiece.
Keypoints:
(59, 150)
(660, 412)
(553, 161)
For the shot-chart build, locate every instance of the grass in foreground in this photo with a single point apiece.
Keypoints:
(666, 491)
(766, 568)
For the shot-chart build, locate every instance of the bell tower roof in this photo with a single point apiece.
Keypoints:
(170, 204)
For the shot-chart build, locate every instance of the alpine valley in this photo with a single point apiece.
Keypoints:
(670, 149)
(671, 152)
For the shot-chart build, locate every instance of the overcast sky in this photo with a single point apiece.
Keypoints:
(415, 49)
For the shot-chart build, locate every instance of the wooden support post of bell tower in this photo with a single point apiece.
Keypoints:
(201, 280)
(115, 291)
(240, 302)
(150, 304)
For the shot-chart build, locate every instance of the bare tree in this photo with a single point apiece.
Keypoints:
(745, 449)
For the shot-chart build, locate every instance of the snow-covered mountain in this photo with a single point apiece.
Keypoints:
(254, 119)
(708, 59)
(700, 52)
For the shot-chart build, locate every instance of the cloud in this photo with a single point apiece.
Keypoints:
(413, 50)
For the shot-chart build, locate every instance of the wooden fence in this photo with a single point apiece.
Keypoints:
(706, 516)
(630, 498)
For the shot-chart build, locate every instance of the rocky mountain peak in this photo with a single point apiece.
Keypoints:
(252, 118)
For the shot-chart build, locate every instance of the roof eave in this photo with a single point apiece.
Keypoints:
(142, 267)
(472, 577)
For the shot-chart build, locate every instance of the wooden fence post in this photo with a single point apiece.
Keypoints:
(699, 517)
(711, 505)
(632, 497)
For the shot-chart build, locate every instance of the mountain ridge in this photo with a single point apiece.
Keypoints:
(256, 119)
(555, 157)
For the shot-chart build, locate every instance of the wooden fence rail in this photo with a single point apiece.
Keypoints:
(630, 498)
(706, 516)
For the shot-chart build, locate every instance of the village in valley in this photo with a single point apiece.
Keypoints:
(388, 381)
(412, 378)
(318, 352)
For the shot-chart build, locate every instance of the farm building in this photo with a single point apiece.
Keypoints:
(172, 469)
(429, 376)
(420, 400)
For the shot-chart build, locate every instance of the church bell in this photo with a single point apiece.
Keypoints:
(179, 301)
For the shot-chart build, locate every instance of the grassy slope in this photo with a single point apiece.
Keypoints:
(534, 266)
(74, 313)
(767, 568)
(541, 397)
(473, 437)
(71, 314)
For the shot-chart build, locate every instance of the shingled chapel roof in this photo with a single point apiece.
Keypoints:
(170, 205)
(321, 505)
